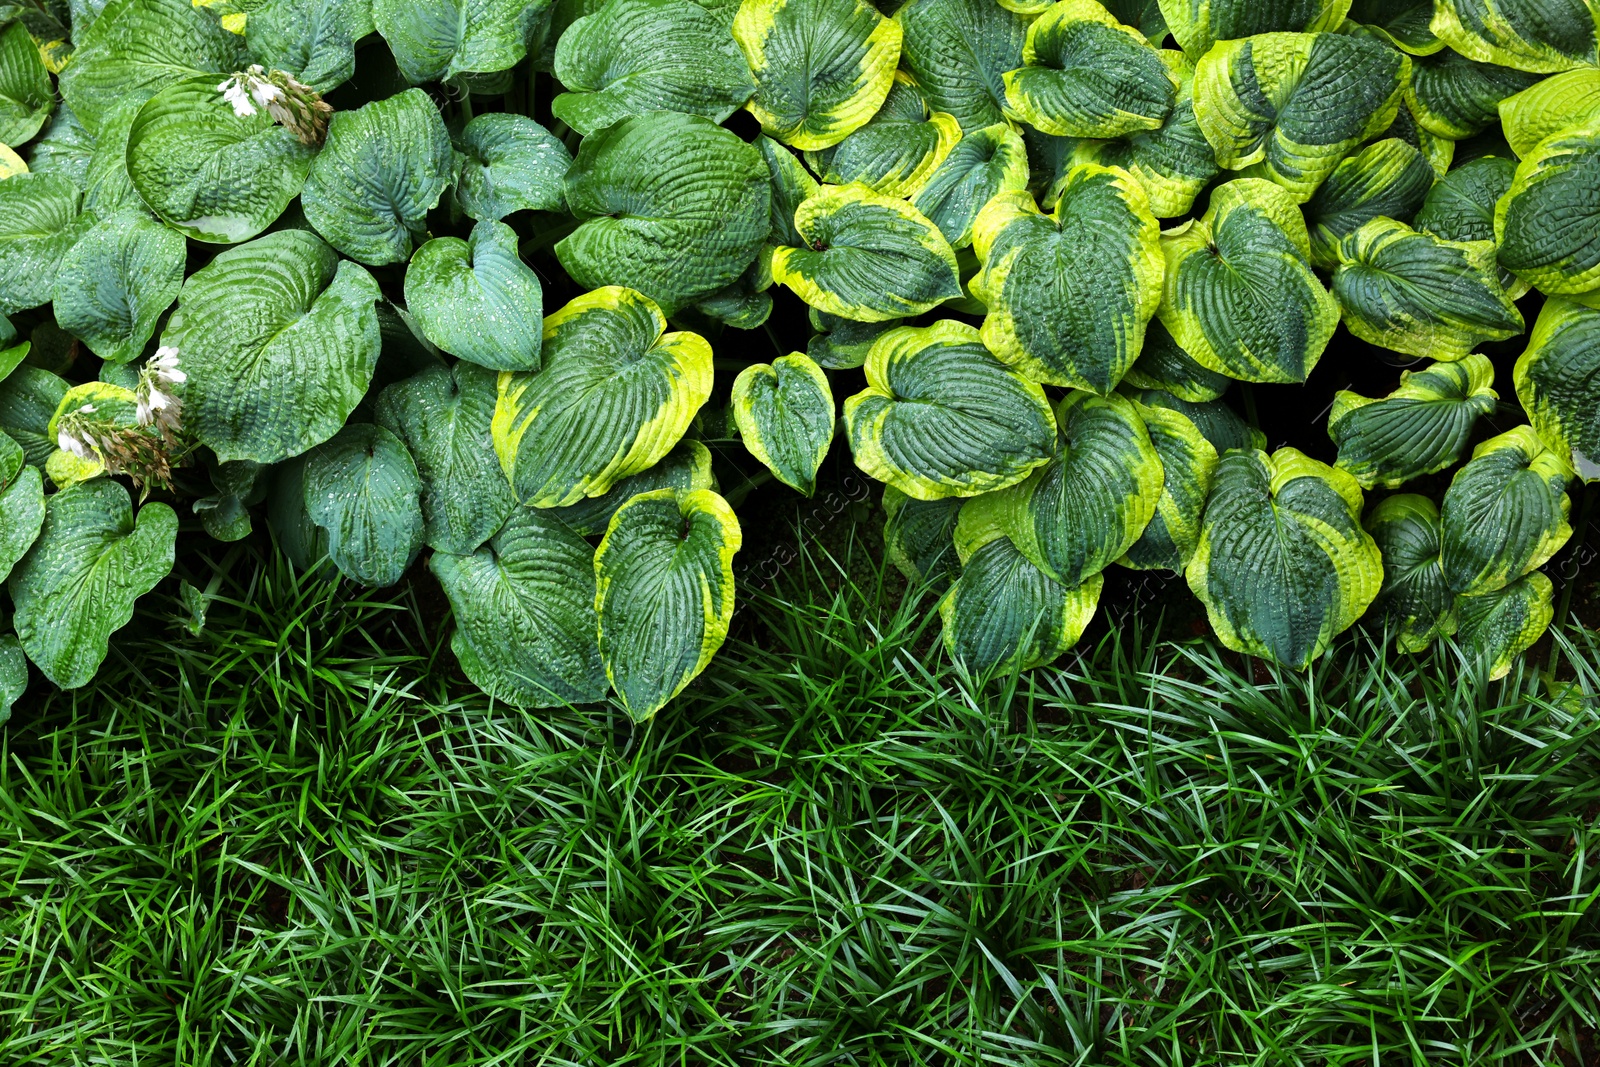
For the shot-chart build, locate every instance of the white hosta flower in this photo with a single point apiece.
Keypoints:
(68, 442)
(164, 365)
(234, 92)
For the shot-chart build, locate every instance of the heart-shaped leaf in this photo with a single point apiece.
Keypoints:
(38, 223)
(919, 537)
(26, 95)
(107, 189)
(984, 164)
(1548, 224)
(116, 281)
(21, 505)
(1536, 35)
(314, 41)
(363, 489)
(1455, 97)
(1414, 598)
(435, 40)
(1558, 383)
(897, 151)
(1497, 627)
(785, 415)
(686, 467)
(507, 163)
(959, 52)
(1505, 513)
(1188, 464)
(843, 344)
(1549, 106)
(1388, 178)
(1217, 422)
(1402, 23)
(1199, 24)
(64, 148)
(476, 298)
(1164, 365)
(1418, 429)
(29, 397)
(1460, 207)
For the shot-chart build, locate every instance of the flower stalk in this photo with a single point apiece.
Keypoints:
(292, 104)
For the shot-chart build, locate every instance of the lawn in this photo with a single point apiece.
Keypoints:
(298, 837)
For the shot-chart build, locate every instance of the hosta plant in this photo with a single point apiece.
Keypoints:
(510, 289)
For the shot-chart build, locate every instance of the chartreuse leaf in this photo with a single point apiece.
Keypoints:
(1239, 293)
(686, 467)
(1505, 512)
(136, 48)
(1558, 383)
(1454, 97)
(1283, 565)
(312, 40)
(209, 173)
(1549, 106)
(636, 56)
(898, 149)
(1188, 464)
(1388, 178)
(822, 67)
(1086, 507)
(279, 339)
(1419, 294)
(77, 585)
(1296, 103)
(115, 282)
(1543, 36)
(1414, 598)
(21, 504)
(867, 257)
(676, 207)
(785, 416)
(1403, 23)
(942, 417)
(507, 163)
(1217, 422)
(13, 674)
(842, 344)
(28, 400)
(26, 95)
(38, 223)
(984, 164)
(1173, 162)
(433, 40)
(1069, 293)
(614, 395)
(1004, 613)
(1418, 429)
(11, 163)
(363, 489)
(381, 171)
(1498, 627)
(1199, 24)
(1548, 224)
(526, 629)
(1084, 74)
(476, 298)
(959, 52)
(443, 416)
(664, 577)
(919, 537)
(1163, 364)
(791, 184)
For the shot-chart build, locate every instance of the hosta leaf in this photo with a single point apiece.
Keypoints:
(1460, 206)
(524, 607)
(433, 40)
(1283, 565)
(225, 514)
(476, 298)
(107, 189)
(13, 674)
(785, 416)
(363, 488)
(38, 223)
(380, 172)
(1455, 97)
(918, 537)
(1087, 506)
(614, 395)
(1549, 106)
(1188, 464)
(1163, 364)
(959, 52)
(1416, 293)
(1069, 293)
(116, 281)
(1536, 35)
(1217, 422)
(686, 467)
(791, 184)
(1418, 429)
(1239, 294)
(636, 56)
(136, 48)
(1084, 74)
(304, 543)
(1296, 103)
(209, 173)
(21, 505)
(312, 40)
(1199, 24)
(1438, 151)
(676, 208)
(507, 163)
(1558, 383)
(822, 67)
(1498, 627)
(1548, 224)
(1388, 178)
(740, 304)
(1414, 598)
(1143, 15)
(1505, 513)
(842, 344)
(26, 95)
(664, 574)
(867, 257)
(279, 338)
(942, 417)
(28, 400)
(982, 165)
(443, 416)
(1403, 23)
(1005, 614)
(77, 585)
(897, 151)
(64, 148)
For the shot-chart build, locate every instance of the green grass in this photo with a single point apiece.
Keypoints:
(297, 838)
